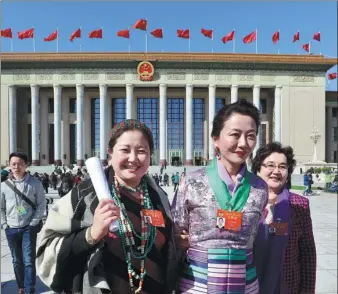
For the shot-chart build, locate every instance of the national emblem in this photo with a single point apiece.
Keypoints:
(145, 71)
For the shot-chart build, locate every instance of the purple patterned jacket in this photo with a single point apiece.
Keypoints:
(194, 209)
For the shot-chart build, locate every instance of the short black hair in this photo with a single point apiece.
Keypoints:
(274, 147)
(21, 155)
(242, 107)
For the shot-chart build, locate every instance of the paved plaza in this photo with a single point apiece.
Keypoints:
(324, 217)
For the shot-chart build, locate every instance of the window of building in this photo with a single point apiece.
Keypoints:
(119, 110)
(147, 112)
(220, 102)
(263, 108)
(95, 125)
(334, 156)
(334, 129)
(29, 109)
(72, 105)
(175, 123)
(334, 111)
(198, 123)
(264, 135)
(50, 105)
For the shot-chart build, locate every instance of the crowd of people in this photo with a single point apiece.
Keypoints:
(175, 179)
(228, 229)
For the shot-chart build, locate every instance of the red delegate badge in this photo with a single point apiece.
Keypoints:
(154, 217)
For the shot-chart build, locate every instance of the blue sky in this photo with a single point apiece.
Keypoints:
(244, 17)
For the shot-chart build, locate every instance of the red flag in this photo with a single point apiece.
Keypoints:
(141, 24)
(28, 34)
(306, 47)
(332, 76)
(229, 37)
(275, 37)
(157, 33)
(7, 33)
(76, 34)
(96, 34)
(316, 36)
(185, 34)
(123, 34)
(296, 37)
(53, 36)
(250, 38)
(207, 33)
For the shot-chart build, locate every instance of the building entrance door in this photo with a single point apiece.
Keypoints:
(176, 157)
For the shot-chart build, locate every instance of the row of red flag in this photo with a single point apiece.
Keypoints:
(157, 33)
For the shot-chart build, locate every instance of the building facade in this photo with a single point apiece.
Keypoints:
(59, 107)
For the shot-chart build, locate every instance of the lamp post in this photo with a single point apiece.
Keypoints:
(315, 136)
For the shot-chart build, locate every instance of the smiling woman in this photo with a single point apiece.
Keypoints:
(285, 246)
(217, 210)
(140, 257)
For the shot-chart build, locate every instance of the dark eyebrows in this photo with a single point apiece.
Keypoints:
(240, 131)
(282, 163)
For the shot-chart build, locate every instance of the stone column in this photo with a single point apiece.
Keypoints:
(57, 124)
(278, 123)
(103, 123)
(79, 124)
(256, 102)
(65, 128)
(329, 138)
(234, 93)
(35, 125)
(189, 124)
(212, 109)
(44, 129)
(12, 119)
(130, 101)
(163, 120)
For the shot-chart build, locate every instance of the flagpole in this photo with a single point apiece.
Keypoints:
(212, 41)
(256, 41)
(189, 40)
(57, 40)
(12, 48)
(162, 39)
(129, 40)
(278, 41)
(310, 47)
(146, 38)
(33, 40)
(80, 41)
(233, 43)
(146, 42)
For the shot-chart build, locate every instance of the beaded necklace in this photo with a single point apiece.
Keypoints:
(128, 233)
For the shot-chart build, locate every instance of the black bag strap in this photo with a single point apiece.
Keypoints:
(20, 194)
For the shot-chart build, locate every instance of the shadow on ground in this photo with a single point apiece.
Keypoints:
(10, 287)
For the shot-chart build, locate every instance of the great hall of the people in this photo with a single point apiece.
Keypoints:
(59, 107)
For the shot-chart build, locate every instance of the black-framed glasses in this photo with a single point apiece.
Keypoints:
(272, 166)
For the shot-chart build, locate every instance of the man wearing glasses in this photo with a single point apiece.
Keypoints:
(23, 204)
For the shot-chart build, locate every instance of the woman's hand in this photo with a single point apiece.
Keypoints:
(182, 240)
(105, 213)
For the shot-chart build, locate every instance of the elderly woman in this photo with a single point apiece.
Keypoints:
(219, 208)
(77, 252)
(284, 249)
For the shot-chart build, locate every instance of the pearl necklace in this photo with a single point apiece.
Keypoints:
(127, 232)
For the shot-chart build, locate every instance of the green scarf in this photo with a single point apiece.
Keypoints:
(222, 194)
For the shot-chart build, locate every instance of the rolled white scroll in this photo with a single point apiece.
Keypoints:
(99, 180)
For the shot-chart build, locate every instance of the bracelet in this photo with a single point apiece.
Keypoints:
(89, 237)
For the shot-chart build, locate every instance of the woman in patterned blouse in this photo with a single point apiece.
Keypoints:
(218, 208)
(284, 249)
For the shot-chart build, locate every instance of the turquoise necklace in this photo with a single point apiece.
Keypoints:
(127, 232)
